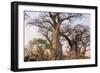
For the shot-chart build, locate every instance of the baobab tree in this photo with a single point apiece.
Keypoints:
(51, 22)
(78, 38)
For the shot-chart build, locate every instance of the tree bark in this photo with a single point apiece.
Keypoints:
(73, 51)
(56, 46)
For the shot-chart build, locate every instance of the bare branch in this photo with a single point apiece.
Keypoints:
(47, 21)
(46, 36)
(40, 25)
(66, 37)
(67, 18)
(45, 33)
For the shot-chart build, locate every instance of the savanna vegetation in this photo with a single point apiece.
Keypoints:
(56, 28)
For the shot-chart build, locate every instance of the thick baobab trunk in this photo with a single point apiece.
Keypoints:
(73, 52)
(56, 46)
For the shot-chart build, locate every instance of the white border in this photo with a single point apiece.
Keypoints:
(22, 64)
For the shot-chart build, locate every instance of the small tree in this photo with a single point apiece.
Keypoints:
(38, 46)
